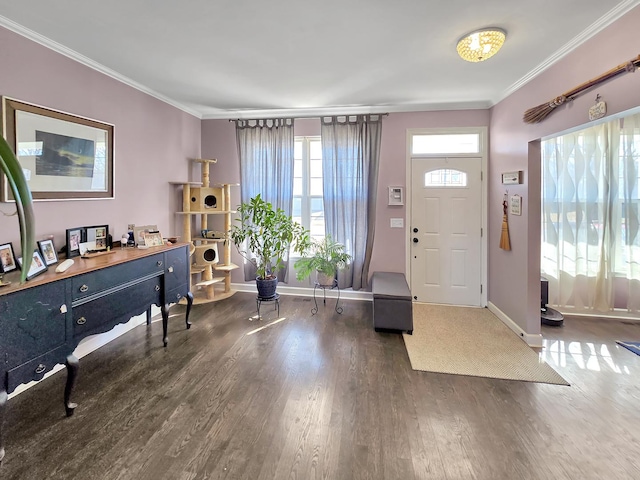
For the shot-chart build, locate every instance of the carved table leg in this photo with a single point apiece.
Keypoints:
(3, 409)
(165, 323)
(189, 304)
(72, 364)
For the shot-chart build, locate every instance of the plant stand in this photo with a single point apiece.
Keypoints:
(338, 309)
(275, 298)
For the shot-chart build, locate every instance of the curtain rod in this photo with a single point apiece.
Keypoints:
(386, 114)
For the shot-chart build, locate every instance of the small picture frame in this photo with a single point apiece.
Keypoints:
(515, 204)
(75, 236)
(153, 239)
(98, 236)
(48, 251)
(8, 261)
(139, 232)
(37, 265)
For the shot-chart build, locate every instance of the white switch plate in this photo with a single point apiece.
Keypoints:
(397, 223)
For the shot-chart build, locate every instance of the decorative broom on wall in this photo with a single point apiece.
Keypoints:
(505, 244)
(539, 113)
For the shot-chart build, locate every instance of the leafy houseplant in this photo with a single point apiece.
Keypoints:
(268, 233)
(24, 203)
(326, 257)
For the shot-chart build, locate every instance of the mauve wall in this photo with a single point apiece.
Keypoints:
(514, 277)
(389, 253)
(153, 141)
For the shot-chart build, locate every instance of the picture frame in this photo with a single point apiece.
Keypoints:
(38, 265)
(75, 236)
(8, 261)
(48, 251)
(515, 205)
(512, 178)
(64, 156)
(153, 239)
(139, 232)
(98, 235)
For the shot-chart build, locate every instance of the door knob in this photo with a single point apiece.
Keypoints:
(415, 230)
(415, 240)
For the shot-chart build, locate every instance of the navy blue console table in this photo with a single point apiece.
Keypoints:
(43, 320)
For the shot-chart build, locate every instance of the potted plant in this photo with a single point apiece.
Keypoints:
(264, 236)
(12, 169)
(325, 257)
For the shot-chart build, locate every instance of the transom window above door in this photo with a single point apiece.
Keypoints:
(445, 143)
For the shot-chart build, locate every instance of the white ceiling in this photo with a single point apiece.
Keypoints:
(247, 58)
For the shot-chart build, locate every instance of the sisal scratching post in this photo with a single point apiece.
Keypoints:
(505, 244)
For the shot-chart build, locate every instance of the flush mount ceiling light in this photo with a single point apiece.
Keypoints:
(482, 44)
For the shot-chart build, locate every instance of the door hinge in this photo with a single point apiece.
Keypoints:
(481, 232)
(480, 288)
(481, 176)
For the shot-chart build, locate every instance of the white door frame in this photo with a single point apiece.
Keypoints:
(483, 132)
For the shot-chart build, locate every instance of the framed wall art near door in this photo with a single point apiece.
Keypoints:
(64, 156)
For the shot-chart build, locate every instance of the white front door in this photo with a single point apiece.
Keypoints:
(446, 237)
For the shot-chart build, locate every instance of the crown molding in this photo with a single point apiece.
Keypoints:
(78, 57)
(619, 11)
(346, 110)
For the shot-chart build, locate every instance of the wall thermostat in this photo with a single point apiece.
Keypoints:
(396, 196)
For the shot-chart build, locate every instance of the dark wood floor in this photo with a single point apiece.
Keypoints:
(324, 397)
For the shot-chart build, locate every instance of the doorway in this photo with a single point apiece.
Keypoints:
(446, 230)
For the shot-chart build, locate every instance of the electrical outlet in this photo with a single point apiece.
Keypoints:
(130, 227)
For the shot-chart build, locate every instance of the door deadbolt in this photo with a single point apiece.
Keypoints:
(415, 240)
(415, 230)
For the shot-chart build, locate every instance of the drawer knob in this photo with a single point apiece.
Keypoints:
(81, 321)
(84, 288)
(159, 263)
(157, 288)
(40, 368)
(170, 269)
(178, 295)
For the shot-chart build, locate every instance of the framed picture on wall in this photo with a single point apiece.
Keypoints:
(64, 156)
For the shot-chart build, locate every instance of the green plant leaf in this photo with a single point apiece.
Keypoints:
(24, 203)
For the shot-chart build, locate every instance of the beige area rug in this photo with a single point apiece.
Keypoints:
(472, 341)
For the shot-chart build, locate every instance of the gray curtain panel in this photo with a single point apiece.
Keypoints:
(265, 149)
(350, 161)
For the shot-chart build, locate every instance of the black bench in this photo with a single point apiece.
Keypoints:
(392, 307)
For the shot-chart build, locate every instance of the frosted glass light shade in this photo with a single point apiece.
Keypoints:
(482, 44)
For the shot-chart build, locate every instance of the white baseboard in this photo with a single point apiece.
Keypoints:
(307, 292)
(533, 340)
(91, 344)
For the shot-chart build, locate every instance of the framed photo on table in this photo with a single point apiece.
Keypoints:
(37, 265)
(8, 262)
(153, 239)
(48, 251)
(139, 232)
(75, 236)
(97, 236)
(64, 156)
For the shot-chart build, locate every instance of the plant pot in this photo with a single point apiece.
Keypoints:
(325, 280)
(266, 287)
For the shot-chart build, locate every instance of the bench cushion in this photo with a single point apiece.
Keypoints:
(390, 285)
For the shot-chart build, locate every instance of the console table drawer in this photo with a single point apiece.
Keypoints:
(93, 282)
(35, 369)
(175, 295)
(104, 312)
